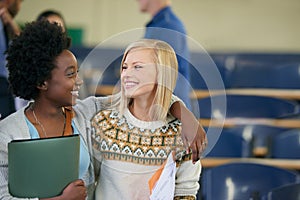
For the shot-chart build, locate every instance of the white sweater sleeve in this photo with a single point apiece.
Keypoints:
(187, 177)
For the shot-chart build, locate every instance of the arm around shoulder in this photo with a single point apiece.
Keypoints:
(193, 134)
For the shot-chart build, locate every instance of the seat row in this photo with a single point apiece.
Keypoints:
(253, 148)
(253, 141)
(251, 74)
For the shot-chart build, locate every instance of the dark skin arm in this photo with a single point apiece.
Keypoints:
(74, 191)
(193, 134)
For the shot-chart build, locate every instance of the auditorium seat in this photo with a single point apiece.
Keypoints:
(261, 75)
(286, 145)
(230, 144)
(285, 192)
(246, 106)
(243, 180)
(261, 137)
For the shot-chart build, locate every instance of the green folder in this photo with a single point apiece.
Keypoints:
(42, 168)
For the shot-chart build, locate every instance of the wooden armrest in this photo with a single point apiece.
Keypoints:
(293, 164)
(279, 93)
(231, 122)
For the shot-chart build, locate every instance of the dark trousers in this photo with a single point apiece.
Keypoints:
(7, 102)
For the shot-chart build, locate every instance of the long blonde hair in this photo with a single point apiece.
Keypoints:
(167, 72)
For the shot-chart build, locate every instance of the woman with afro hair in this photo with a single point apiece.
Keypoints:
(42, 69)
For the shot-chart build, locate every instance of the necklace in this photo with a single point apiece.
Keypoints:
(41, 125)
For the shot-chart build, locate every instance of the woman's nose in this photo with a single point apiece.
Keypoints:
(127, 72)
(79, 80)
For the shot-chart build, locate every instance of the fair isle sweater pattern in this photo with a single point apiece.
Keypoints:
(118, 139)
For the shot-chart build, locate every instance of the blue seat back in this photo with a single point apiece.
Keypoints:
(286, 76)
(111, 75)
(286, 145)
(265, 71)
(247, 106)
(250, 75)
(288, 192)
(208, 72)
(230, 144)
(261, 136)
(243, 181)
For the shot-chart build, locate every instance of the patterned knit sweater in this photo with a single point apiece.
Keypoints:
(131, 150)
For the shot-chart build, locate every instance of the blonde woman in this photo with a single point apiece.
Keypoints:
(134, 140)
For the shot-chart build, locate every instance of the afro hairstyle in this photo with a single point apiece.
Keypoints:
(31, 56)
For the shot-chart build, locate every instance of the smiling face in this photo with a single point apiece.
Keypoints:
(64, 84)
(139, 74)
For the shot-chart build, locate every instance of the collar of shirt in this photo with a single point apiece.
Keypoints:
(161, 16)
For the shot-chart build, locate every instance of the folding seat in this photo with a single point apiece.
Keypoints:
(229, 144)
(286, 145)
(246, 106)
(262, 75)
(287, 192)
(243, 180)
(261, 136)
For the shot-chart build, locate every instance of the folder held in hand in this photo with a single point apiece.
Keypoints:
(42, 167)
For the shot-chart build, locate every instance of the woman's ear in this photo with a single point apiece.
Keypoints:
(43, 86)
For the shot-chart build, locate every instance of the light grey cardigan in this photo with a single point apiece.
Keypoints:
(15, 127)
